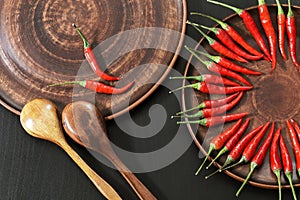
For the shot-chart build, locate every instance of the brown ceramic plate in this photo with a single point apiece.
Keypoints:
(38, 47)
(275, 97)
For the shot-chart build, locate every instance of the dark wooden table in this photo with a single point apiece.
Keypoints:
(34, 169)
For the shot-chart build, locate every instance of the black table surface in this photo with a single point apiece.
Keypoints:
(31, 168)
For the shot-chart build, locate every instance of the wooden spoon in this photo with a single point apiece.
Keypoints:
(85, 125)
(39, 118)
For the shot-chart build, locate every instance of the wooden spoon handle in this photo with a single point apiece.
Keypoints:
(140, 189)
(100, 184)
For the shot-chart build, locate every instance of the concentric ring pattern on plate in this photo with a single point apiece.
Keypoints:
(38, 47)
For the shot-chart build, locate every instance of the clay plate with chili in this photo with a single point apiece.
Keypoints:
(39, 47)
(275, 97)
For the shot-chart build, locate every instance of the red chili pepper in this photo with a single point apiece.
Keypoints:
(218, 46)
(238, 149)
(211, 103)
(91, 58)
(219, 141)
(233, 34)
(209, 112)
(208, 78)
(232, 141)
(217, 120)
(297, 128)
(227, 41)
(291, 33)
(295, 143)
(216, 68)
(214, 89)
(275, 161)
(250, 24)
(249, 150)
(258, 159)
(98, 86)
(229, 64)
(267, 25)
(287, 164)
(281, 29)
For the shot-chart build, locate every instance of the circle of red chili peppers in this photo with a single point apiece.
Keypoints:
(250, 148)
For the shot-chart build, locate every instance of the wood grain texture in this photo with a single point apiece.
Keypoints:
(85, 125)
(39, 47)
(275, 97)
(40, 119)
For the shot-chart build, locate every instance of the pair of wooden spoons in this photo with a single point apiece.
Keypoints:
(85, 125)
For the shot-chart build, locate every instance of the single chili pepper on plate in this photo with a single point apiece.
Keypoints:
(208, 78)
(216, 68)
(228, 64)
(267, 25)
(281, 29)
(295, 143)
(249, 150)
(232, 141)
(275, 161)
(287, 164)
(229, 43)
(250, 24)
(233, 34)
(214, 89)
(91, 58)
(237, 150)
(216, 120)
(210, 112)
(98, 86)
(296, 127)
(292, 34)
(218, 46)
(212, 103)
(258, 159)
(218, 141)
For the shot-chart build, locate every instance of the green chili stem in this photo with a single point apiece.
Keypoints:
(252, 168)
(243, 159)
(279, 7)
(193, 52)
(227, 162)
(200, 106)
(195, 86)
(235, 9)
(210, 175)
(197, 78)
(202, 122)
(85, 41)
(82, 83)
(214, 30)
(290, 12)
(277, 173)
(213, 58)
(223, 150)
(222, 24)
(261, 2)
(209, 39)
(210, 150)
(289, 177)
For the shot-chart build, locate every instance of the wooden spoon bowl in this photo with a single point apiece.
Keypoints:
(39, 118)
(85, 125)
